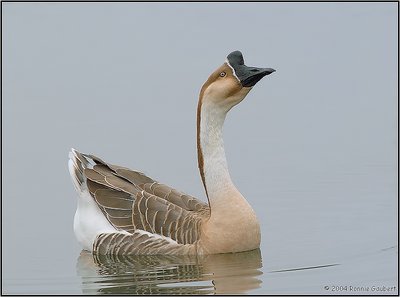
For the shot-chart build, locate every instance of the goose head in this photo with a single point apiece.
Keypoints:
(231, 82)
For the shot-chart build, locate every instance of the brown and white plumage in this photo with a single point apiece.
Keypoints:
(152, 218)
(122, 211)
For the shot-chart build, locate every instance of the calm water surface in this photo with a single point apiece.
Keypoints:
(240, 273)
(214, 274)
(322, 233)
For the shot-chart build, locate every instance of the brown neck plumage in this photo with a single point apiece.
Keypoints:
(200, 158)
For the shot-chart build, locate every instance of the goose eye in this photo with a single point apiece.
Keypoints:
(222, 74)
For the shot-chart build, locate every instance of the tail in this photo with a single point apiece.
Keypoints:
(76, 165)
(89, 220)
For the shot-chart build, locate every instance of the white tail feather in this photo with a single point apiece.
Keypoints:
(89, 221)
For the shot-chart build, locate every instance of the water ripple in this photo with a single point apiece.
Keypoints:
(236, 273)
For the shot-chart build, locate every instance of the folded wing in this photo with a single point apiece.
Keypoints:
(133, 202)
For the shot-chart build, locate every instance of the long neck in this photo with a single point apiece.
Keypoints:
(211, 153)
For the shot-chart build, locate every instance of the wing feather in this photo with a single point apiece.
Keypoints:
(133, 201)
(112, 199)
(138, 243)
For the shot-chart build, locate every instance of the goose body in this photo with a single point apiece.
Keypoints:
(122, 211)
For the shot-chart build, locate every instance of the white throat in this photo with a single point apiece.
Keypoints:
(216, 174)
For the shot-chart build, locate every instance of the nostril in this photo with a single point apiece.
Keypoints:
(254, 70)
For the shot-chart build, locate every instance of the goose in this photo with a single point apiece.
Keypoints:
(123, 211)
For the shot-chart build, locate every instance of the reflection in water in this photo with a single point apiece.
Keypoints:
(212, 274)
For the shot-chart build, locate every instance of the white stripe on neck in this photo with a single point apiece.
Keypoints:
(216, 173)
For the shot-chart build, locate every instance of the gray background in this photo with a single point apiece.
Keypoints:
(313, 147)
